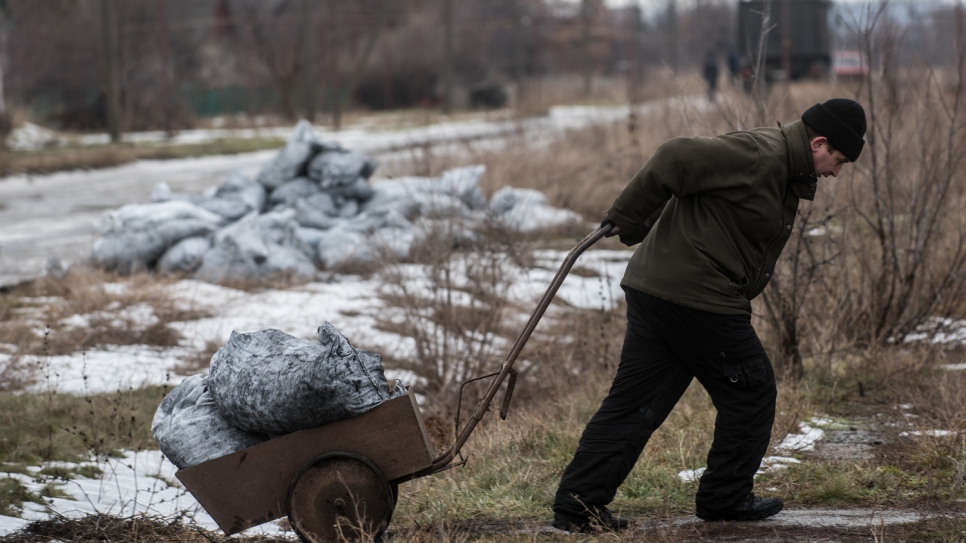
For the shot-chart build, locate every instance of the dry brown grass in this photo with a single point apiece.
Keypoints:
(274, 281)
(922, 409)
(86, 309)
(586, 169)
(568, 364)
(573, 348)
(459, 322)
(514, 465)
(540, 94)
(105, 156)
(198, 361)
(583, 171)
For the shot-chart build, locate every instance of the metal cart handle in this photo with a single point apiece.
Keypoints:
(444, 460)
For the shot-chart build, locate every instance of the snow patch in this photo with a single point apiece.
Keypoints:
(768, 464)
(941, 331)
(931, 433)
(138, 316)
(136, 483)
(351, 303)
(806, 440)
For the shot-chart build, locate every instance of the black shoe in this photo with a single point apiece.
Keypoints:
(750, 508)
(599, 520)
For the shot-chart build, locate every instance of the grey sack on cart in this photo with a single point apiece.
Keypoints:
(271, 382)
(189, 429)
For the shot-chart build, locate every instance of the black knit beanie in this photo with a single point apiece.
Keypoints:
(842, 122)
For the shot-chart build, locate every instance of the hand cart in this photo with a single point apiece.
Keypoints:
(340, 480)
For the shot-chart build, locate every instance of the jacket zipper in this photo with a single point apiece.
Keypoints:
(781, 229)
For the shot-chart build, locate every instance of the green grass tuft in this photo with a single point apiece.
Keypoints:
(38, 428)
(13, 495)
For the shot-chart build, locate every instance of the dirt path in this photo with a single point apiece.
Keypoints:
(796, 525)
(859, 441)
(54, 215)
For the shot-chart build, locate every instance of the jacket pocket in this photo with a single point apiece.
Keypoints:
(738, 286)
(749, 374)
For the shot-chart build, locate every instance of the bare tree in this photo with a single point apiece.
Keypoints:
(5, 124)
(308, 79)
(275, 37)
(788, 300)
(51, 50)
(111, 82)
(518, 53)
(586, 16)
(373, 14)
(885, 256)
(673, 37)
(447, 56)
(907, 234)
(167, 75)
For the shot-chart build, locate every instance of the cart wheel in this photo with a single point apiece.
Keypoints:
(340, 496)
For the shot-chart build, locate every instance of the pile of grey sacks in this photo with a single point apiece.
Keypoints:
(310, 207)
(266, 384)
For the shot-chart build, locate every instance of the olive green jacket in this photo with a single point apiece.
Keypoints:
(712, 215)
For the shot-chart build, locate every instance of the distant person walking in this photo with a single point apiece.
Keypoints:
(734, 63)
(711, 73)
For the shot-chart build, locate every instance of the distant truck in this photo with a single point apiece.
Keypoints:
(849, 64)
(806, 26)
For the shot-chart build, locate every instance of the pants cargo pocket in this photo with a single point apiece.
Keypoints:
(749, 374)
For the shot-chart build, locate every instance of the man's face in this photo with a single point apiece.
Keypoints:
(827, 161)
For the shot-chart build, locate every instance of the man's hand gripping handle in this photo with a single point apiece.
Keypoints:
(607, 223)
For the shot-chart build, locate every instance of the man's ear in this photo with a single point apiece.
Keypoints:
(817, 142)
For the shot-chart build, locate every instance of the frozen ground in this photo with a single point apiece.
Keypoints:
(144, 482)
(46, 216)
(811, 433)
(138, 483)
(53, 215)
(350, 303)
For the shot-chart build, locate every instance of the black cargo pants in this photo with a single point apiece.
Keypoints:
(666, 345)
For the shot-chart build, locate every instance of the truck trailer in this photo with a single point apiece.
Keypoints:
(796, 37)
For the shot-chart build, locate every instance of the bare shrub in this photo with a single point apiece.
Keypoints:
(909, 241)
(786, 300)
(903, 231)
(879, 252)
(875, 256)
(577, 347)
(458, 323)
(15, 374)
(456, 303)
